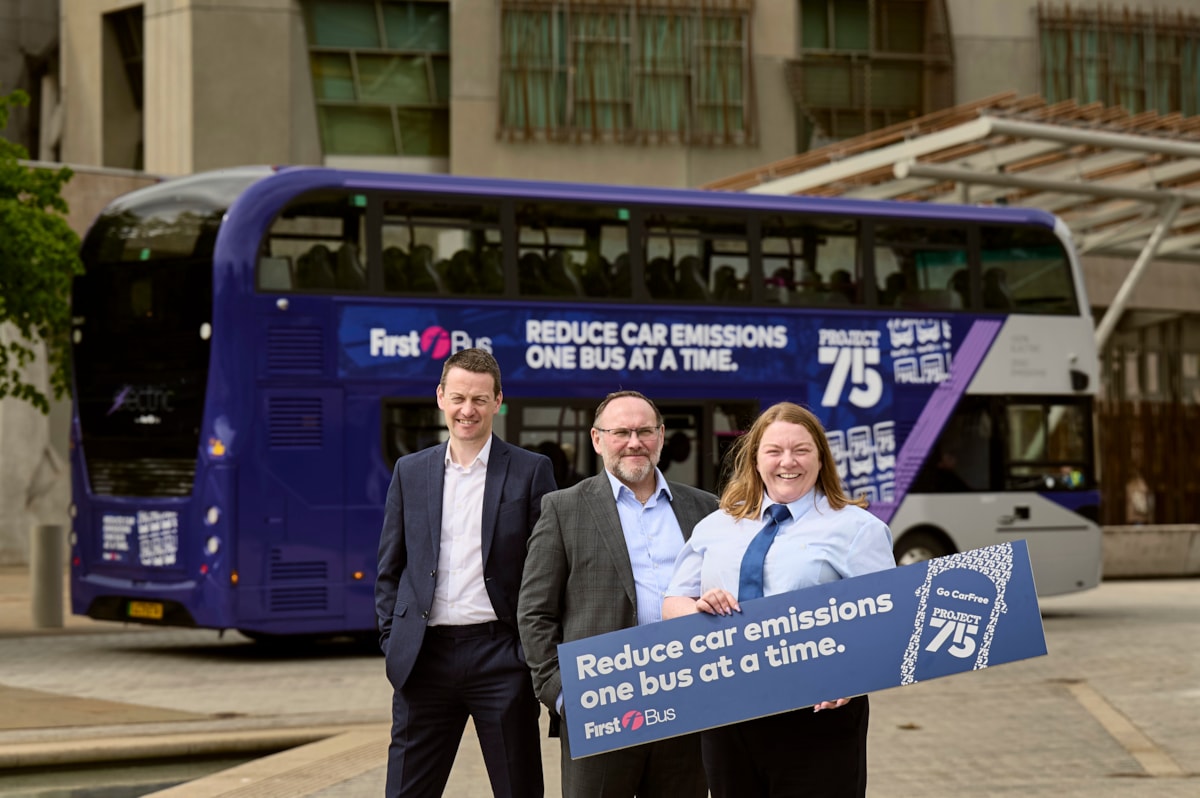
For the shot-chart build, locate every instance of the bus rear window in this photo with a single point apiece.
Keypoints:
(162, 233)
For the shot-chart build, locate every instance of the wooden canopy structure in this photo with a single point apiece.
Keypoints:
(1126, 185)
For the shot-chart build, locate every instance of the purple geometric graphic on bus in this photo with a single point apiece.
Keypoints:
(936, 413)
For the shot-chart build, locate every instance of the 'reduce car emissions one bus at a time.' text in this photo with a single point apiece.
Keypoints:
(253, 348)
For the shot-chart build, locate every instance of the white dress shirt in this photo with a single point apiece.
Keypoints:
(460, 596)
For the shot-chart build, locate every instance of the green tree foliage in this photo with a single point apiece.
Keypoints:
(39, 255)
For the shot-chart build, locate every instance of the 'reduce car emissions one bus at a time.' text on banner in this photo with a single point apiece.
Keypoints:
(253, 348)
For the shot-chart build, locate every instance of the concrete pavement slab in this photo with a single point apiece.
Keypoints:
(1109, 713)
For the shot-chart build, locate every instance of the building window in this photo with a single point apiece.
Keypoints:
(652, 72)
(867, 64)
(1139, 60)
(381, 76)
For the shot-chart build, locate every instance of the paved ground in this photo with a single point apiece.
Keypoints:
(1110, 712)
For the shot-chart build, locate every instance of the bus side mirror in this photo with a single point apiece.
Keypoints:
(1079, 380)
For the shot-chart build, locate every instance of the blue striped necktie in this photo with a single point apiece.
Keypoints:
(750, 581)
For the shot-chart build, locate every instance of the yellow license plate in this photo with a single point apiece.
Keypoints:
(150, 610)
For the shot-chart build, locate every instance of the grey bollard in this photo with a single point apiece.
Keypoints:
(46, 564)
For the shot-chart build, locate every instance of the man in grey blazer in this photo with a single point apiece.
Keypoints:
(600, 558)
(451, 553)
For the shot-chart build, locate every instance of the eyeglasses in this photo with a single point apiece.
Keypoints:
(645, 434)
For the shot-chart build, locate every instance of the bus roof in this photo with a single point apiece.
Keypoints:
(256, 207)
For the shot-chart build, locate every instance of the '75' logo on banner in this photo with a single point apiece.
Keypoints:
(962, 632)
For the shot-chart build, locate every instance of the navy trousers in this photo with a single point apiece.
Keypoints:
(798, 754)
(477, 671)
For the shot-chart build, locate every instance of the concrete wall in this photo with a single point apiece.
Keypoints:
(84, 71)
(1166, 285)
(249, 75)
(225, 84)
(995, 48)
(34, 478)
(1141, 551)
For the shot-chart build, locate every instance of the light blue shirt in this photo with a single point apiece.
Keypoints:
(818, 545)
(653, 538)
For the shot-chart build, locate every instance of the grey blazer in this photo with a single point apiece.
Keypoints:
(578, 580)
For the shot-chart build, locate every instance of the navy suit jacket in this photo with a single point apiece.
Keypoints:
(410, 542)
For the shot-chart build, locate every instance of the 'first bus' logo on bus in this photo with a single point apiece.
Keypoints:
(434, 342)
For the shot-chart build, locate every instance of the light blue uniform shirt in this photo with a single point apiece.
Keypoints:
(818, 545)
(653, 538)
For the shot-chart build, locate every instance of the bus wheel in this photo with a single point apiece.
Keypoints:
(920, 546)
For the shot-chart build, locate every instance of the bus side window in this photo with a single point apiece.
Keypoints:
(491, 271)
(691, 285)
(697, 257)
(996, 294)
(461, 275)
(811, 261)
(531, 273)
(561, 277)
(320, 236)
(841, 287)
(572, 250)
(395, 269)
(921, 268)
(423, 277)
(621, 281)
(314, 269)
(596, 276)
(660, 278)
(350, 275)
(435, 246)
(1025, 269)
(274, 274)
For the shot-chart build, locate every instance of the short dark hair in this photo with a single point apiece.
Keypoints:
(478, 361)
(621, 395)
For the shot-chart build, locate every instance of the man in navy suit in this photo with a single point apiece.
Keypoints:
(457, 520)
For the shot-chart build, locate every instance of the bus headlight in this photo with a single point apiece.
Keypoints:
(212, 545)
(72, 539)
(212, 516)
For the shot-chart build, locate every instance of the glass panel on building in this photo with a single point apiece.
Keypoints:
(381, 75)
(649, 73)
